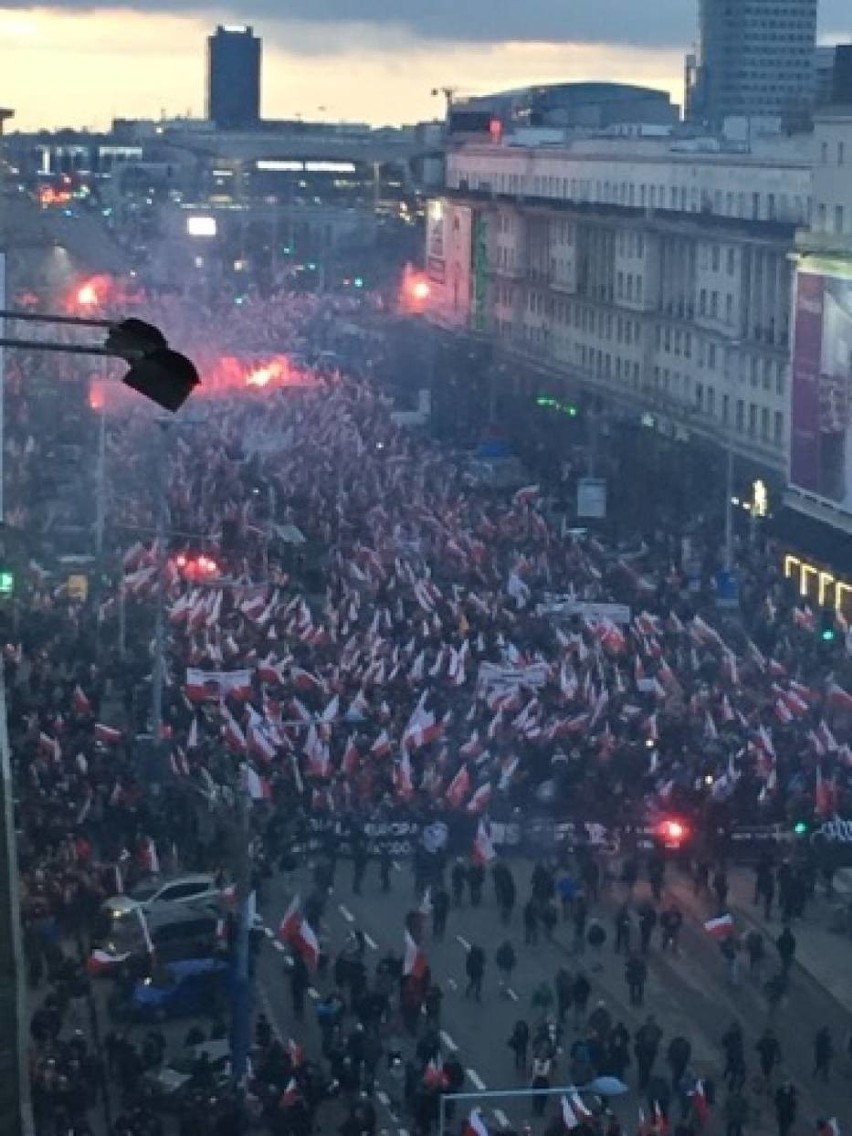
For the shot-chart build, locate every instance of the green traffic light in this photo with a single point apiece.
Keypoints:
(7, 583)
(827, 635)
(571, 411)
(800, 828)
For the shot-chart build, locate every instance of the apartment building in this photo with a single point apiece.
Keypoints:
(657, 273)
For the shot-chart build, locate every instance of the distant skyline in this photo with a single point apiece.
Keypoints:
(83, 64)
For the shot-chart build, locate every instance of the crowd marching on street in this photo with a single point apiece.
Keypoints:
(433, 652)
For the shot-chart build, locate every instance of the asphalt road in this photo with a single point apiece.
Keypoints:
(689, 993)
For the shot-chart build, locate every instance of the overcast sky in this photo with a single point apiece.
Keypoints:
(83, 63)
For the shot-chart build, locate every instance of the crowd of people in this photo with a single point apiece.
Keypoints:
(428, 648)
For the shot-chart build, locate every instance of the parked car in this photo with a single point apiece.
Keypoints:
(170, 934)
(156, 892)
(175, 990)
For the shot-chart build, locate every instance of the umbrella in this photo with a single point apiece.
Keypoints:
(606, 1086)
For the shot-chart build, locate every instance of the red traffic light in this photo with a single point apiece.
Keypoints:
(673, 833)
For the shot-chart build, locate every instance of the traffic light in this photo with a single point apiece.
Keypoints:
(7, 582)
(547, 403)
(800, 828)
(827, 627)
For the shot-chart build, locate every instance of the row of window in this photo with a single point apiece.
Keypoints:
(754, 206)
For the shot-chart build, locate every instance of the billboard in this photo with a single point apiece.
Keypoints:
(436, 251)
(821, 402)
(458, 284)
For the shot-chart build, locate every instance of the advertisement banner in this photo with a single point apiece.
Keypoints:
(493, 678)
(820, 442)
(459, 281)
(436, 244)
(592, 612)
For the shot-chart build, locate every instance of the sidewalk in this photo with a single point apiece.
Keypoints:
(822, 953)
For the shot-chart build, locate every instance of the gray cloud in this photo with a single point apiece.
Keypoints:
(662, 24)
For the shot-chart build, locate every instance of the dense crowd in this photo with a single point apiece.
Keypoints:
(426, 648)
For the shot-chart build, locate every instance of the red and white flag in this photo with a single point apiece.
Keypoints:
(232, 732)
(483, 847)
(258, 787)
(414, 963)
(838, 697)
(458, 788)
(825, 796)
(149, 861)
(213, 686)
(295, 930)
(381, 747)
(720, 927)
(81, 703)
(107, 735)
(480, 800)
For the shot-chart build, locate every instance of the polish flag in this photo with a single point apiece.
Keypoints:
(304, 680)
(480, 800)
(349, 764)
(81, 703)
(803, 617)
(232, 732)
(331, 711)
(700, 1103)
(258, 741)
(381, 747)
(783, 712)
(795, 702)
(838, 697)
(106, 734)
(458, 788)
(296, 1053)
(527, 494)
(192, 737)
(720, 927)
(49, 746)
(569, 1116)
(258, 787)
(402, 781)
(483, 848)
(295, 930)
(415, 960)
(268, 670)
(827, 737)
(581, 1111)
(291, 1093)
(149, 861)
(727, 710)
(101, 962)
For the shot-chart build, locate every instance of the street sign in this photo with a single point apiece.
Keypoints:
(78, 587)
(591, 498)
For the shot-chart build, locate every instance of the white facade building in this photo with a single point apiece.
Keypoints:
(656, 273)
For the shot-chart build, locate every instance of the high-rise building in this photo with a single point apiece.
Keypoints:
(755, 60)
(233, 77)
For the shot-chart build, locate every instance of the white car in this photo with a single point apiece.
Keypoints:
(156, 893)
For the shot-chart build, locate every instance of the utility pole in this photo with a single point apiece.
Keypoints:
(160, 619)
(242, 1001)
(100, 502)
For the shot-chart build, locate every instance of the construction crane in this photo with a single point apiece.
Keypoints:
(449, 94)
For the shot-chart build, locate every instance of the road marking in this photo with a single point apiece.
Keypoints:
(371, 942)
(383, 1098)
(476, 1080)
(346, 913)
(512, 994)
(448, 1041)
(453, 985)
(397, 867)
(501, 1118)
(403, 1132)
(461, 939)
(313, 993)
(270, 934)
(279, 946)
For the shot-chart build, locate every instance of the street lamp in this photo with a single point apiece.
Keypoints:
(156, 371)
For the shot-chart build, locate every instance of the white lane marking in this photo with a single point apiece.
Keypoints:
(512, 994)
(453, 985)
(383, 1098)
(448, 1041)
(346, 913)
(397, 867)
(461, 939)
(501, 1118)
(313, 994)
(270, 1013)
(270, 934)
(279, 946)
(371, 942)
(476, 1080)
